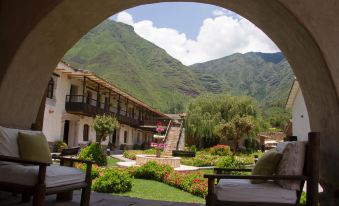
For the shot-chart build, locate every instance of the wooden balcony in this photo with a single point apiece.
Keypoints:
(81, 105)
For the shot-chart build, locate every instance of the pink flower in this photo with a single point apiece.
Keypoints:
(160, 129)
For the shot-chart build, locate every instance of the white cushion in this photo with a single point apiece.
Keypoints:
(238, 190)
(27, 175)
(281, 146)
(9, 143)
(292, 163)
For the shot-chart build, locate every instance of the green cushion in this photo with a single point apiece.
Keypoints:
(34, 147)
(266, 165)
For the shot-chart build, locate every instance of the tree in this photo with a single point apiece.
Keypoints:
(103, 126)
(236, 129)
(208, 113)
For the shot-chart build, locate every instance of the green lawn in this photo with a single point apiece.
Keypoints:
(111, 162)
(153, 190)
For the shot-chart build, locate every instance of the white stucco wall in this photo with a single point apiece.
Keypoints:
(55, 115)
(300, 119)
(55, 108)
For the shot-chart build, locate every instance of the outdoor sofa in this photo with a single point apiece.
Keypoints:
(38, 179)
(277, 189)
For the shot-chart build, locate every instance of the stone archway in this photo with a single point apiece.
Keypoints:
(35, 35)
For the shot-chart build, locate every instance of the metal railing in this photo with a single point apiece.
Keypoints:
(167, 130)
(180, 133)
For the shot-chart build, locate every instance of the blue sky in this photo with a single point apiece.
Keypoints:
(184, 17)
(194, 32)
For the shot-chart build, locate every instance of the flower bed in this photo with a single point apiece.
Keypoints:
(192, 182)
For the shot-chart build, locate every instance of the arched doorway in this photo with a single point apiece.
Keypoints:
(45, 30)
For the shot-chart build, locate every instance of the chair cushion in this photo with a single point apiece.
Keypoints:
(9, 142)
(34, 147)
(292, 163)
(266, 165)
(27, 175)
(238, 190)
(281, 146)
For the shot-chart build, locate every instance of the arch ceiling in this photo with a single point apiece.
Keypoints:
(38, 33)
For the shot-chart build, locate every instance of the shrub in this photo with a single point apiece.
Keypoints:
(303, 198)
(220, 150)
(229, 162)
(131, 154)
(192, 148)
(201, 160)
(113, 180)
(94, 153)
(94, 172)
(123, 147)
(153, 171)
(136, 147)
(60, 145)
(248, 157)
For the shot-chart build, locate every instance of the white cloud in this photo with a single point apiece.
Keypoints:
(125, 17)
(225, 34)
(218, 12)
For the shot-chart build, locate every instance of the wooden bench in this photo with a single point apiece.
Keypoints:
(180, 153)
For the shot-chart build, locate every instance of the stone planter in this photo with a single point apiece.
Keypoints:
(168, 160)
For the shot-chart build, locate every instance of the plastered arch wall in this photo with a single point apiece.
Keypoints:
(36, 34)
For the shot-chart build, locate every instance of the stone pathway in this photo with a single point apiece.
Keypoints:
(97, 199)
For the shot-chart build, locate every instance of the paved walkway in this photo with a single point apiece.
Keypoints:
(182, 168)
(97, 199)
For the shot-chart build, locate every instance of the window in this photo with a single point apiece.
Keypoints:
(125, 137)
(50, 88)
(85, 132)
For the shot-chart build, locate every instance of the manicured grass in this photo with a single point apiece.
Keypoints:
(111, 161)
(153, 190)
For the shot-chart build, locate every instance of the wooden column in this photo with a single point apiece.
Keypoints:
(118, 105)
(126, 107)
(98, 96)
(83, 89)
(109, 100)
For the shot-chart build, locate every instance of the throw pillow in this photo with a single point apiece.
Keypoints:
(34, 147)
(292, 163)
(266, 165)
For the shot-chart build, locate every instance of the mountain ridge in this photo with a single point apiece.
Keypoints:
(260, 75)
(115, 52)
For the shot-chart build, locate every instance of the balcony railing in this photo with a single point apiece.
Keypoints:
(79, 104)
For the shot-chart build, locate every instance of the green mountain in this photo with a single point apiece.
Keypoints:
(115, 52)
(266, 77)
